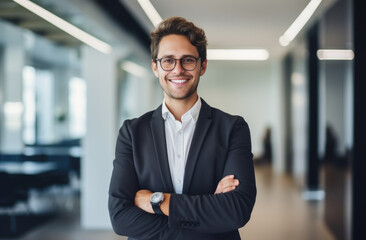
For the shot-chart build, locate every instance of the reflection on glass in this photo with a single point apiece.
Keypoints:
(77, 107)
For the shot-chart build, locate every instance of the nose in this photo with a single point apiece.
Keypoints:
(178, 67)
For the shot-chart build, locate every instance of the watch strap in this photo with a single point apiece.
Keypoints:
(156, 208)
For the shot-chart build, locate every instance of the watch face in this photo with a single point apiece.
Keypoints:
(156, 197)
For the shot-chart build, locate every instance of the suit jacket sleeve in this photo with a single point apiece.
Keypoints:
(227, 211)
(126, 218)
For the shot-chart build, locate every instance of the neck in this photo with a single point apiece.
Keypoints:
(178, 107)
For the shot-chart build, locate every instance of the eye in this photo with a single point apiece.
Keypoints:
(189, 60)
(168, 60)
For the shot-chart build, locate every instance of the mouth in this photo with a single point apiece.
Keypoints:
(179, 80)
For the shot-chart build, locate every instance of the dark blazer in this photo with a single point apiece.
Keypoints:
(220, 146)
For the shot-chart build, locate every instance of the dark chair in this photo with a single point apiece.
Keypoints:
(6, 157)
(12, 189)
(60, 176)
(33, 158)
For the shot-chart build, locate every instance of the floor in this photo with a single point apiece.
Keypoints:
(280, 213)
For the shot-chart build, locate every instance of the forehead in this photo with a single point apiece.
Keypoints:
(176, 45)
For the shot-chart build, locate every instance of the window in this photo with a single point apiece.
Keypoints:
(29, 103)
(38, 102)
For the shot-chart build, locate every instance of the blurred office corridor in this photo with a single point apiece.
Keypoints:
(280, 213)
(63, 99)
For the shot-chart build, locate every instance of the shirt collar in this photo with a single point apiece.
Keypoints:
(193, 112)
(165, 110)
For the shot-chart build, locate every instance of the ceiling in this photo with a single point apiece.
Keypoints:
(228, 24)
(234, 23)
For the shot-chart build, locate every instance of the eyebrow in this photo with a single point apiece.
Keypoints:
(172, 56)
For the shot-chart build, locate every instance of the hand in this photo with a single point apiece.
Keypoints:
(142, 200)
(227, 184)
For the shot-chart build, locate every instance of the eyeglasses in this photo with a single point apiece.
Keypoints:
(188, 63)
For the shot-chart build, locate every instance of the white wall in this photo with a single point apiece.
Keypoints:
(99, 143)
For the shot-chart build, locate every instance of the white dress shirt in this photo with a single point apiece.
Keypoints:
(178, 141)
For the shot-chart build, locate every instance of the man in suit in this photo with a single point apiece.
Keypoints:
(185, 170)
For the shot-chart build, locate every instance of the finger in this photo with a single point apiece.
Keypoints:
(230, 183)
(220, 187)
(227, 177)
(225, 189)
(228, 189)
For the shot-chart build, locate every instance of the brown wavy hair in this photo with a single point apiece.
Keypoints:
(179, 26)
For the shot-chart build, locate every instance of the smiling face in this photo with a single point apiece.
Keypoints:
(178, 84)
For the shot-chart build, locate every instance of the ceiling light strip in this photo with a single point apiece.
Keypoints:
(135, 69)
(65, 26)
(299, 23)
(238, 54)
(150, 11)
(335, 54)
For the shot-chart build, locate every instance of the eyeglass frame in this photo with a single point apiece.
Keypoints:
(175, 62)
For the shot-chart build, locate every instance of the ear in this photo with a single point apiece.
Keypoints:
(203, 68)
(154, 66)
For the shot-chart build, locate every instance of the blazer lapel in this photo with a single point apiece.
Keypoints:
(202, 127)
(158, 135)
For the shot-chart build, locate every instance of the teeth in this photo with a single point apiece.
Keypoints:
(179, 81)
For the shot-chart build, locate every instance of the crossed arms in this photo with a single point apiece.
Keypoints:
(142, 198)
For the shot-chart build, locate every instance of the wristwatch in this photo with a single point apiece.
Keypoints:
(156, 199)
